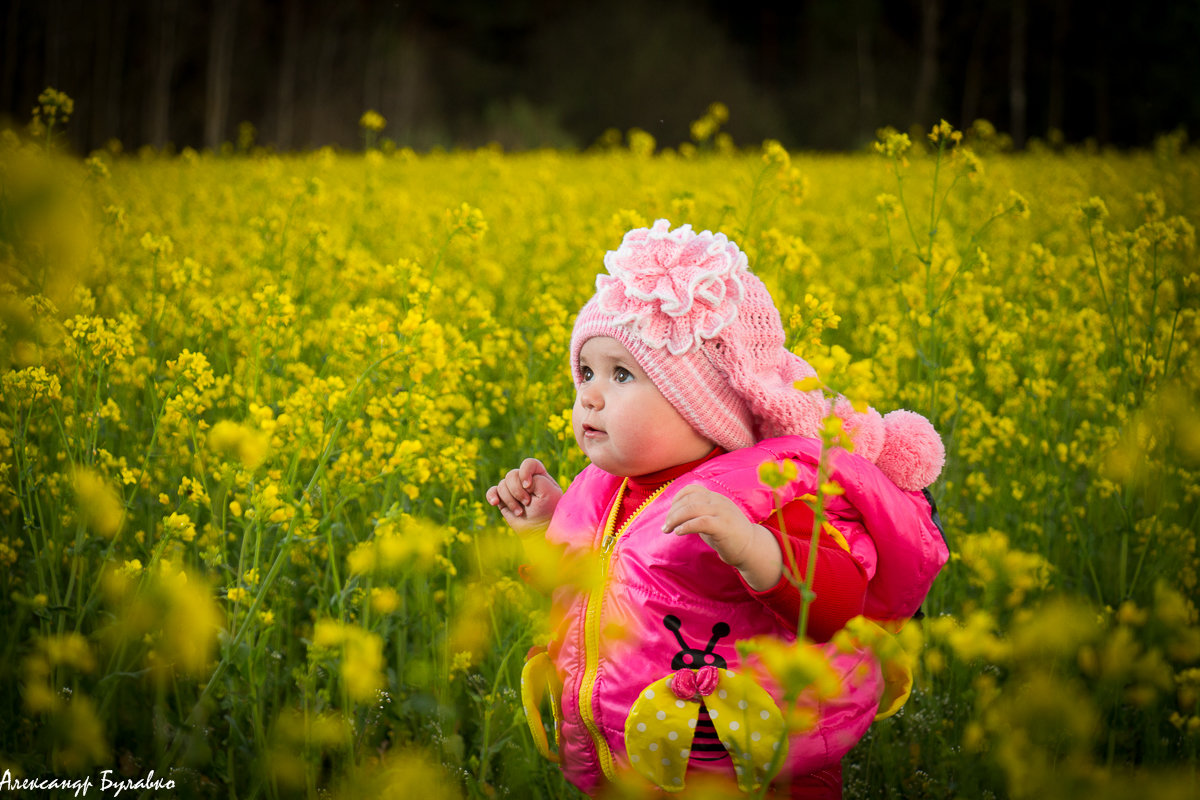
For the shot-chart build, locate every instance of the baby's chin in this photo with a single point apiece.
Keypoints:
(626, 467)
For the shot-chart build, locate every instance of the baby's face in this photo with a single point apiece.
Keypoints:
(621, 421)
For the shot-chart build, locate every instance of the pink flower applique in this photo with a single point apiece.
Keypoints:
(693, 685)
(673, 288)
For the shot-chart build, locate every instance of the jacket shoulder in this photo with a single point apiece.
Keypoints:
(577, 515)
(736, 474)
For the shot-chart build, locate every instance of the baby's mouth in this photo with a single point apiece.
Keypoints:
(591, 430)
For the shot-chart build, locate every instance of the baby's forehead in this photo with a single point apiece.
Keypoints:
(605, 347)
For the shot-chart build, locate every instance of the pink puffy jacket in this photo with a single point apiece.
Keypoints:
(662, 604)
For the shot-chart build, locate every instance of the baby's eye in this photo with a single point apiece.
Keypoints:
(585, 373)
(622, 375)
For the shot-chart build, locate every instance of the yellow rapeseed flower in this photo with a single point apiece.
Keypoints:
(641, 143)
(385, 600)
(232, 438)
(394, 775)
(70, 649)
(328, 633)
(360, 654)
(943, 133)
(180, 526)
(82, 743)
(31, 383)
(372, 120)
(191, 623)
(775, 154)
(892, 143)
(98, 503)
(777, 474)
(54, 105)
(797, 666)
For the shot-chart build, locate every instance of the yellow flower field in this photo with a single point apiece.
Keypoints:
(250, 403)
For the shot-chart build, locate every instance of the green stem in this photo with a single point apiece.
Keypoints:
(744, 236)
(1122, 566)
(1171, 342)
(487, 714)
(945, 196)
(152, 338)
(76, 571)
(1112, 320)
(1137, 569)
(1147, 345)
(337, 581)
(933, 216)
(284, 552)
(907, 217)
(974, 254)
(819, 518)
(90, 453)
(25, 495)
(892, 257)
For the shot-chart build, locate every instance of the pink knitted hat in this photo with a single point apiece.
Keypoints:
(706, 331)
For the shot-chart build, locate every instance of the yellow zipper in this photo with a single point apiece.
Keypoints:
(591, 626)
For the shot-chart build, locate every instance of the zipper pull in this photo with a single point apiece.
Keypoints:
(607, 545)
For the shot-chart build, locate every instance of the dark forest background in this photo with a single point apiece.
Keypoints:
(820, 74)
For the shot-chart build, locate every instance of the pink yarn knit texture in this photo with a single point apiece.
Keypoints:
(675, 289)
(865, 429)
(913, 453)
(707, 333)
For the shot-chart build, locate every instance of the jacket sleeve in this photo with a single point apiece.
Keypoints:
(900, 531)
(839, 582)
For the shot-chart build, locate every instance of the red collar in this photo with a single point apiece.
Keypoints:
(652, 480)
(642, 486)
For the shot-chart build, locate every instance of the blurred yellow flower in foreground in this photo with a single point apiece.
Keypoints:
(98, 503)
(361, 656)
(395, 776)
(240, 441)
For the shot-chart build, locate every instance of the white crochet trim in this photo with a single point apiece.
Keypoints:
(718, 288)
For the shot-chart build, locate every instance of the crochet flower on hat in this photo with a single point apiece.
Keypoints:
(673, 288)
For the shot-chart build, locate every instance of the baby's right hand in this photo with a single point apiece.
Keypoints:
(526, 496)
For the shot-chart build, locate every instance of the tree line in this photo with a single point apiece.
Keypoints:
(813, 73)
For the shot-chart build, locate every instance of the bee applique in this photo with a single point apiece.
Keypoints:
(661, 731)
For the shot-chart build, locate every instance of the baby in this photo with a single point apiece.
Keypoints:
(683, 389)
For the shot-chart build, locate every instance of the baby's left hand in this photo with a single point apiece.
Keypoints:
(720, 523)
(748, 548)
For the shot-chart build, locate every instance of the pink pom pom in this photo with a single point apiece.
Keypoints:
(912, 454)
(866, 429)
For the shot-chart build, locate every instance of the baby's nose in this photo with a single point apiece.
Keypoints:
(590, 397)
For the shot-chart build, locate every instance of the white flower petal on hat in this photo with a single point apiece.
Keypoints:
(692, 280)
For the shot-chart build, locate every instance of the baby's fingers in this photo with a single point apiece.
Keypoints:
(697, 524)
(508, 500)
(682, 514)
(530, 468)
(691, 502)
(515, 486)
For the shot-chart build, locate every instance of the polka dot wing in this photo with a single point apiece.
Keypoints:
(660, 728)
